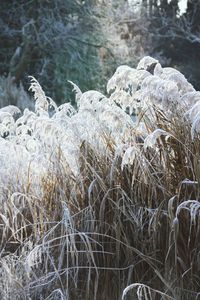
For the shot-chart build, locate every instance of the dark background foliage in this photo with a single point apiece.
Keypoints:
(52, 40)
(178, 37)
(62, 40)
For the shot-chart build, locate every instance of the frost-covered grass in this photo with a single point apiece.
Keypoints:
(102, 201)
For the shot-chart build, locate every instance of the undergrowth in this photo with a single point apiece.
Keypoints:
(102, 202)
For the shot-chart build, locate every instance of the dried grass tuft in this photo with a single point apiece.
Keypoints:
(109, 208)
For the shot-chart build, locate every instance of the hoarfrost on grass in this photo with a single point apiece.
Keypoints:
(35, 145)
(30, 141)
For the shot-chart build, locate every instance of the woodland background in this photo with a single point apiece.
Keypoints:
(84, 41)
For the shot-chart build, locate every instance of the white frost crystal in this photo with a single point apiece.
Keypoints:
(146, 62)
(152, 138)
(30, 141)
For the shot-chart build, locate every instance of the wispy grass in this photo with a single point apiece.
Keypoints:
(108, 209)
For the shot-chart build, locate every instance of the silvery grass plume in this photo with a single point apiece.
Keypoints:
(103, 198)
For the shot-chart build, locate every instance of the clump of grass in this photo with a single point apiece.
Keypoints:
(107, 207)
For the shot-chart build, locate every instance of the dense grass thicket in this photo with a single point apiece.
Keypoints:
(102, 201)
